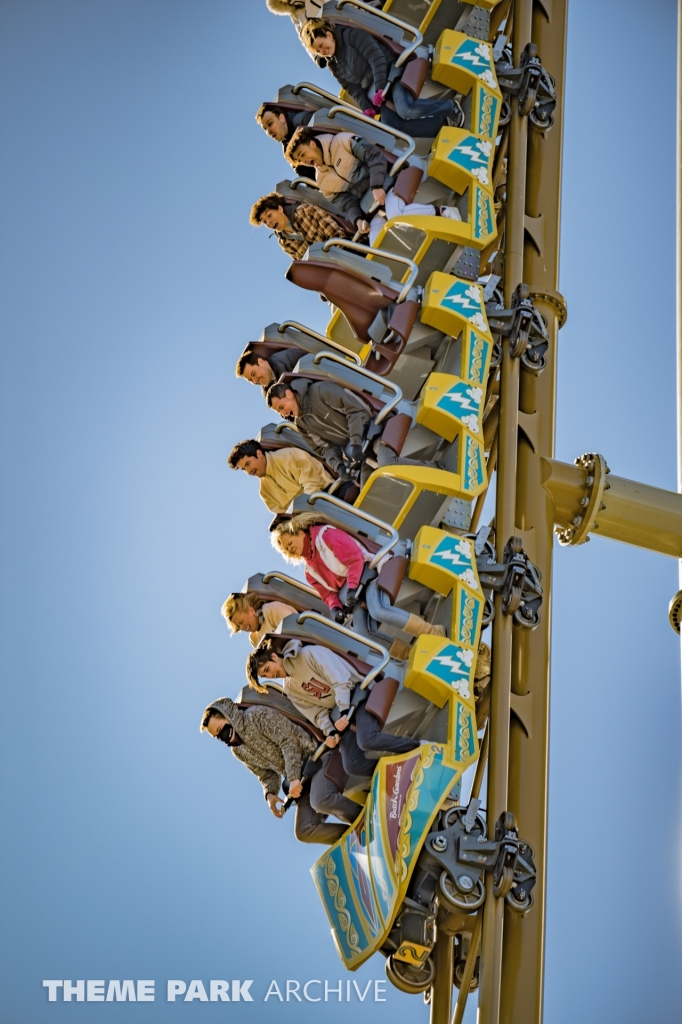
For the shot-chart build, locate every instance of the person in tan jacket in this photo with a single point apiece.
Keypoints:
(249, 613)
(346, 168)
(283, 474)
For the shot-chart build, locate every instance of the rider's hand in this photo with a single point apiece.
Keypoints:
(380, 195)
(295, 788)
(362, 226)
(378, 98)
(332, 741)
(356, 452)
(276, 805)
(341, 723)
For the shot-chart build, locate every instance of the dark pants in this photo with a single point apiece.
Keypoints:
(421, 128)
(312, 807)
(370, 736)
(354, 761)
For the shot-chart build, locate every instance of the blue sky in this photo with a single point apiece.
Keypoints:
(134, 847)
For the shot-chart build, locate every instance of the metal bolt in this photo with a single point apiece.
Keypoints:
(465, 883)
(584, 502)
(577, 520)
(440, 844)
(481, 839)
(589, 481)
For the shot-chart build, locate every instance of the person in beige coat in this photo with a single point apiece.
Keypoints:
(283, 474)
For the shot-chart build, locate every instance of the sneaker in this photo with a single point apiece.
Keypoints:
(456, 118)
(450, 211)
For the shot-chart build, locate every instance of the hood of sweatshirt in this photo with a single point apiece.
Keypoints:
(229, 710)
(291, 649)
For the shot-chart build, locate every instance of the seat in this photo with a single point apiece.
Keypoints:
(270, 440)
(359, 299)
(280, 587)
(275, 699)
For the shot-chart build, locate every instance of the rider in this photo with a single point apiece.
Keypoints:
(284, 473)
(249, 613)
(346, 167)
(319, 683)
(331, 417)
(296, 225)
(334, 560)
(265, 371)
(363, 65)
(274, 748)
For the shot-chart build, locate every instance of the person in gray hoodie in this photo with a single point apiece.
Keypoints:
(275, 749)
(330, 418)
(320, 683)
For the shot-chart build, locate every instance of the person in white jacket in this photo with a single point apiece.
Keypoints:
(317, 680)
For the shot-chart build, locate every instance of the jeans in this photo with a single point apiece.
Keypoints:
(421, 128)
(370, 736)
(380, 608)
(410, 109)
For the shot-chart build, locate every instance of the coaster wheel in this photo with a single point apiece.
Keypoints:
(408, 977)
(458, 901)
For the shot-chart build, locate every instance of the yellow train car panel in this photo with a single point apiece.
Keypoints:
(439, 669)
(461, 159)
(452, 305)
(461, 62)
(449, 405)
(406, 496)
(446, 563)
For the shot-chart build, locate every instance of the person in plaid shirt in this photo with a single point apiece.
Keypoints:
(296, 225)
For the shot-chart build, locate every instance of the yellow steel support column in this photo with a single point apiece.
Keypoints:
(441, 990)
(505, 503)
(523, 950)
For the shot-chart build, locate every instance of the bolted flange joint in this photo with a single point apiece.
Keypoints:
(591, 504)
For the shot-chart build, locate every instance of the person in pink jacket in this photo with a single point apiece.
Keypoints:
(335, 560)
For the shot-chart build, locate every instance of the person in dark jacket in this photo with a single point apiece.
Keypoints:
(331, 419)
(265, 372)
(363, 66)
(280, 124)
(297, 225)
(275, 748)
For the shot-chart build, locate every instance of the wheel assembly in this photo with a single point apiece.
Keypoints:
(519, 900)
(463, 894)
(409, 977)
